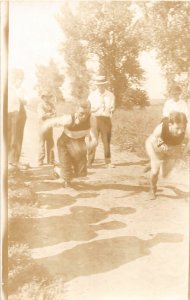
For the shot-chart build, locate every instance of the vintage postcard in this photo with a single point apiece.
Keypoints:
(95, 150)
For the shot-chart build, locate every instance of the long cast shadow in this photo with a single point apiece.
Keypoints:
(83, 186)
(60, 200)
(137, 163)
(103, 255)
(79, 225)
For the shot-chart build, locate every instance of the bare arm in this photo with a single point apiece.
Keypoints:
(64, 120)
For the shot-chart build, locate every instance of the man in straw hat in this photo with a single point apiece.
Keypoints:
(46, 110)
(102, 106)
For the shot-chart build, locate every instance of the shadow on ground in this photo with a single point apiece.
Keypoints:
(79, 225)
(103, 255)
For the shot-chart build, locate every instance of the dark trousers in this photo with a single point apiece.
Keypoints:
(20, 129)
(104, 127)
(46, 145)
(72, 157)
(16, 124)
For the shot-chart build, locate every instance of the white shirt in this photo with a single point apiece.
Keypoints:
(15, 95)
(177, 106)
(102, 104)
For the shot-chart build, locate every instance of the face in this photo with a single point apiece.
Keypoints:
(47, 98)
(177, 128)
(176, 96)
(101, 88)
(82, 113)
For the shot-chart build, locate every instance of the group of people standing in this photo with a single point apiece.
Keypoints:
(93, 117)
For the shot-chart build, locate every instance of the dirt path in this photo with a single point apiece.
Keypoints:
(104, 235)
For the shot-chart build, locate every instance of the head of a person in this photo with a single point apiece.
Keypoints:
(100, 83)
(17, 77)
(46, 96)
(83, 109)
(175, 92)
(177, 123)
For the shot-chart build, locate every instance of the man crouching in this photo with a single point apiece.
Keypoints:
(71, 145)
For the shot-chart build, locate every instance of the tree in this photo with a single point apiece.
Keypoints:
(166, 27)
(49, 78)
(107, 29)
(75, 54)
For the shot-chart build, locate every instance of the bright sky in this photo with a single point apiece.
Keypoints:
(154, 84)
(35, 37)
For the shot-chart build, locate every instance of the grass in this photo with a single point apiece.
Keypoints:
(26, 278)
(132, 127)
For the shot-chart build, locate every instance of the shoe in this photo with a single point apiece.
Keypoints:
(55, 175)
(110, 165)
(23, 167)
(57, 172)
(66, 184)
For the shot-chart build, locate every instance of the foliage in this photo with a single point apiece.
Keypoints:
(34, 290)
(75, 55)
(166, 27)
(49, 78)
(135, 97)
(105, 28)
(132, 127)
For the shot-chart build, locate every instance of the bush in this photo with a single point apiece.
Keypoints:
(131, 128)
(135, 97)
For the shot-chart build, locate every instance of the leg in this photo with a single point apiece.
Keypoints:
(78, 152)
(41, 155)
(20, 131)
(155, 164)
(92, 151)
(50, 146)
(105, 131)
(167, 166)
(12, 137)
(64, 158)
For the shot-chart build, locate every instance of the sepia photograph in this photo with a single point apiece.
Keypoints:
(95, 150)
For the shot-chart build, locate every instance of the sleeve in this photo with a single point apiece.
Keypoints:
(186, 111)
(41, 111)
(165, 111)
(53, 111)
(64, 120)
(112, 104)
(92, 101)
(93, 132)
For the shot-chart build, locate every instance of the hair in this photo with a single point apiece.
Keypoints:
(176, 89)
(84, 104)
(178, 118)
